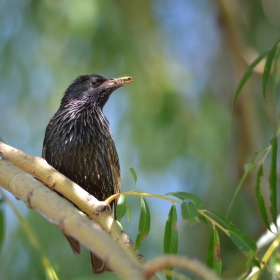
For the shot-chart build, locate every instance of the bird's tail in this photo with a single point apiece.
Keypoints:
(98, 266)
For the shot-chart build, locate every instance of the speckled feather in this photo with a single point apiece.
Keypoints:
(79, 144)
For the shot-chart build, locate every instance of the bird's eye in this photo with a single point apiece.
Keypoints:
(95, 83)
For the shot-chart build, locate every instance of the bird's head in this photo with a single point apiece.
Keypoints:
(93, 90)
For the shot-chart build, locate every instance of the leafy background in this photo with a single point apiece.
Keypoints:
(175, 125)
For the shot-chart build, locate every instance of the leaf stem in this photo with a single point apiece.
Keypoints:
(213, 222)
(112, 197)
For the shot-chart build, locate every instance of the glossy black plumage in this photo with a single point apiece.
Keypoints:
(79, 144)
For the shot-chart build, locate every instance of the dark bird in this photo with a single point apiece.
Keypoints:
(79, 144)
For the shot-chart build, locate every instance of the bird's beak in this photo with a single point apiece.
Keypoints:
(118, 82)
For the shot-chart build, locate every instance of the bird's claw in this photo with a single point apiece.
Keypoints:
(100, 207)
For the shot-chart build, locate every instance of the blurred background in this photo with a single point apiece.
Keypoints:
(174, 125)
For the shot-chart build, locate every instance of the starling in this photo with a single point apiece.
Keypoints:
(79, 144)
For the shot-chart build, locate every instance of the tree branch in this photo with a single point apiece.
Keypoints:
(120, 255)
(190, 264)
(88, 204)
(73, 222)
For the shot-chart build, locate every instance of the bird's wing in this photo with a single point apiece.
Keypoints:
(46, 150)
(115, 172)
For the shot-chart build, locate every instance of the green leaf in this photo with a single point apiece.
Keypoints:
(257, 262)
(267, 68)
(122, 207)
(189, 196)
(119, 223)
(2, 223)
(204, 220)
(275, 82)
(128, 212)
(171, 232)
(133, 173)
(248, 167)
(185, 212)
(224, 222)
(260, 199)
(144, 223)
(249, 266)
(213, 255)
(247, 74)
(273, 180)
(170, 242)
(190, 213)
(240, 239)
(244, 243)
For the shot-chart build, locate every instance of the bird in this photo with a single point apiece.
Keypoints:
(79, 144)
